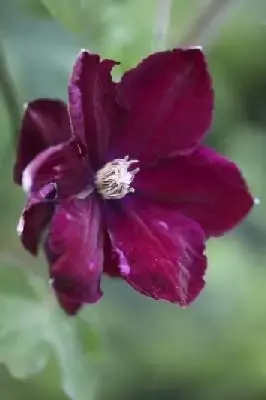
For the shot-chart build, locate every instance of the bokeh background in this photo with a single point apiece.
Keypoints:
(129, 347)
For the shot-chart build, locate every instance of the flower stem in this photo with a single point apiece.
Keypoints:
(207, 23)
(9, 93)
(161, 24)
(10, 97)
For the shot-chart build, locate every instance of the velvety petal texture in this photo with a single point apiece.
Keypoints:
(94, 111)
(169, 99)
(161, 252)
(111, 259)
(33, 221)
(45, 123)
(63, 165)
(95, 214)
(74, 248)
(204, 186)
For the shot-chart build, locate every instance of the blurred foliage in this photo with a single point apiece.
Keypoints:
(127, 346)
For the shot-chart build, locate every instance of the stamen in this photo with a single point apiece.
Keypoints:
(114, 179)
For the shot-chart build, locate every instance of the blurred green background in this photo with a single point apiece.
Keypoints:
(129, 347)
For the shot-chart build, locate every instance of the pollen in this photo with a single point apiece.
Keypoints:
(113, 180)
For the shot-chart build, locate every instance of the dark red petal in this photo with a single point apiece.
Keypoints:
(65, 166)
(74, 250)
(111, 259)
(204, 186)
(70, 306)
(93, 108)
(169, 98)
(34, 219)
(161, 252)
(45, 123)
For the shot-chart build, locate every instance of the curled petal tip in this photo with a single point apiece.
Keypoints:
(256, 201)
(200, 48)
(84, 52)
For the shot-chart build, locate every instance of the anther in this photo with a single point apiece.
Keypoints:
(113, 180)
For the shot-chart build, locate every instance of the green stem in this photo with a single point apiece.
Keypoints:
(207, 23)
(9, 93)
(161, 24)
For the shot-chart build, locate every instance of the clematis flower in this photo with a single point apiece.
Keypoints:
(119, 182)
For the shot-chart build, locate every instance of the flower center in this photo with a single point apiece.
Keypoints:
(113, 180)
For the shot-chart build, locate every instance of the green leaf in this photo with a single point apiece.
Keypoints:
(70, 12)
(23, 347)
(78, 377)
(39, 52)
(85, 18)
(32, 328)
